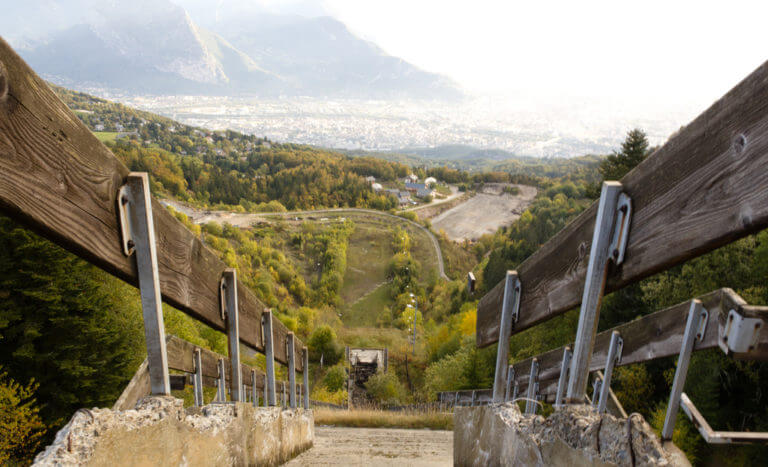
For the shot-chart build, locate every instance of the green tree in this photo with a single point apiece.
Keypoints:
(72, 328)
(634, 150)
(335, 378)
(323, 343)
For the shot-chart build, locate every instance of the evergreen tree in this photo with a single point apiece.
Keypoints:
(633, 150)
(68, 326)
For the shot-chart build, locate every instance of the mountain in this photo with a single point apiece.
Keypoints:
(155, 47)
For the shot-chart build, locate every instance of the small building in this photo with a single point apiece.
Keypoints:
(411, 178)
(376, 186)
(430, 182)
(419, 189)
(370, 179)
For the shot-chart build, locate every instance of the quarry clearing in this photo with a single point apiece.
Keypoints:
(378, 447)
(484, 213)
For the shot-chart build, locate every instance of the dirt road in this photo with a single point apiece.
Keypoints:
(378, 447)
(483, 213)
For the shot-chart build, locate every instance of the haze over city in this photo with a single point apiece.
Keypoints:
(532, 78)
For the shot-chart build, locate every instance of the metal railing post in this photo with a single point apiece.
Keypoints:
(291, 349)
(282, 402)
(197, 379)
(305, 374)
(138, 236)
(596, 390)
(221, 384)
(474, 398)
(614, 356)
(254, 394)
(509, 311)
(229, 310)
(533, 379)
(691, 334)
(270, 391)
(565, 367)
(510, 379)
(608, 242)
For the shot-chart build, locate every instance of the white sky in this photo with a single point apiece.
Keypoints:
(676, 52)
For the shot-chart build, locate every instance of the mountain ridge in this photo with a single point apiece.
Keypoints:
(157, 47)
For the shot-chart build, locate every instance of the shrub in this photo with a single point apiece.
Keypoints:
(385, 388)
(335, 378)
(21, 428)
(322, 343)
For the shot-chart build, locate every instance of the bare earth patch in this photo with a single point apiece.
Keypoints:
(378, 447)
(484, 213)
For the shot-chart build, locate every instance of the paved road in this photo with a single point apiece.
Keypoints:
(235, 218)
(378, 447)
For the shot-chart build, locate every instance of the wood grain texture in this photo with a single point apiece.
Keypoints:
(706, 187)
(653, 336)
(59, 180)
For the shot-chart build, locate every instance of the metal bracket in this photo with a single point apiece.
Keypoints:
(137, 230)
(693, 332)
(609, 239)
(533, 383)
(740, 333)
(565, 367)
(509, 314)
(614, 356)
(718, 437)
(596, 385)
(197, 379)
(126, 236)
(621, 229)
(223, 297)
(510, 380)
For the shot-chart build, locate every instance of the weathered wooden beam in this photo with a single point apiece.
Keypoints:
(706, 187)
(653, 336)
(60, 181)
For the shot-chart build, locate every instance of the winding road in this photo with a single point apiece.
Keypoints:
(199, 216)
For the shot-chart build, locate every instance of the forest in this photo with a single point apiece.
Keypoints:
(71, 335)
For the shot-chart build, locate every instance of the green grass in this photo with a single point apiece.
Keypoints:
(368, 253)
(105, 136)
(366, 311)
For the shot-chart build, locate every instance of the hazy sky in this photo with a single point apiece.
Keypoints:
(673, 52)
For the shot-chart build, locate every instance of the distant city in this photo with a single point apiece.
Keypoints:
(376, 125)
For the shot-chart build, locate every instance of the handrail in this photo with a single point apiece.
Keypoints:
(706, 187)
(181, 358)
(59, 180)
(651, 337)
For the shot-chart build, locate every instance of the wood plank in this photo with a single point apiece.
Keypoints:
(59, 180)
(706, 187)
(136, 388)
(653, 336)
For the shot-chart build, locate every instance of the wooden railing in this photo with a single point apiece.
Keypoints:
(181, 357)
(706, 187)
(60, 181)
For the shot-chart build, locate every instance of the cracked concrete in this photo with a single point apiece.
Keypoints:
(575, 435)
(159, 431)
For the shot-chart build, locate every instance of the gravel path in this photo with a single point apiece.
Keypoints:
(483, 214)
(378, 447)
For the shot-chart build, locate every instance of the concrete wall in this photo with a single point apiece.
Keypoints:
(161, 432)
(501, 435)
